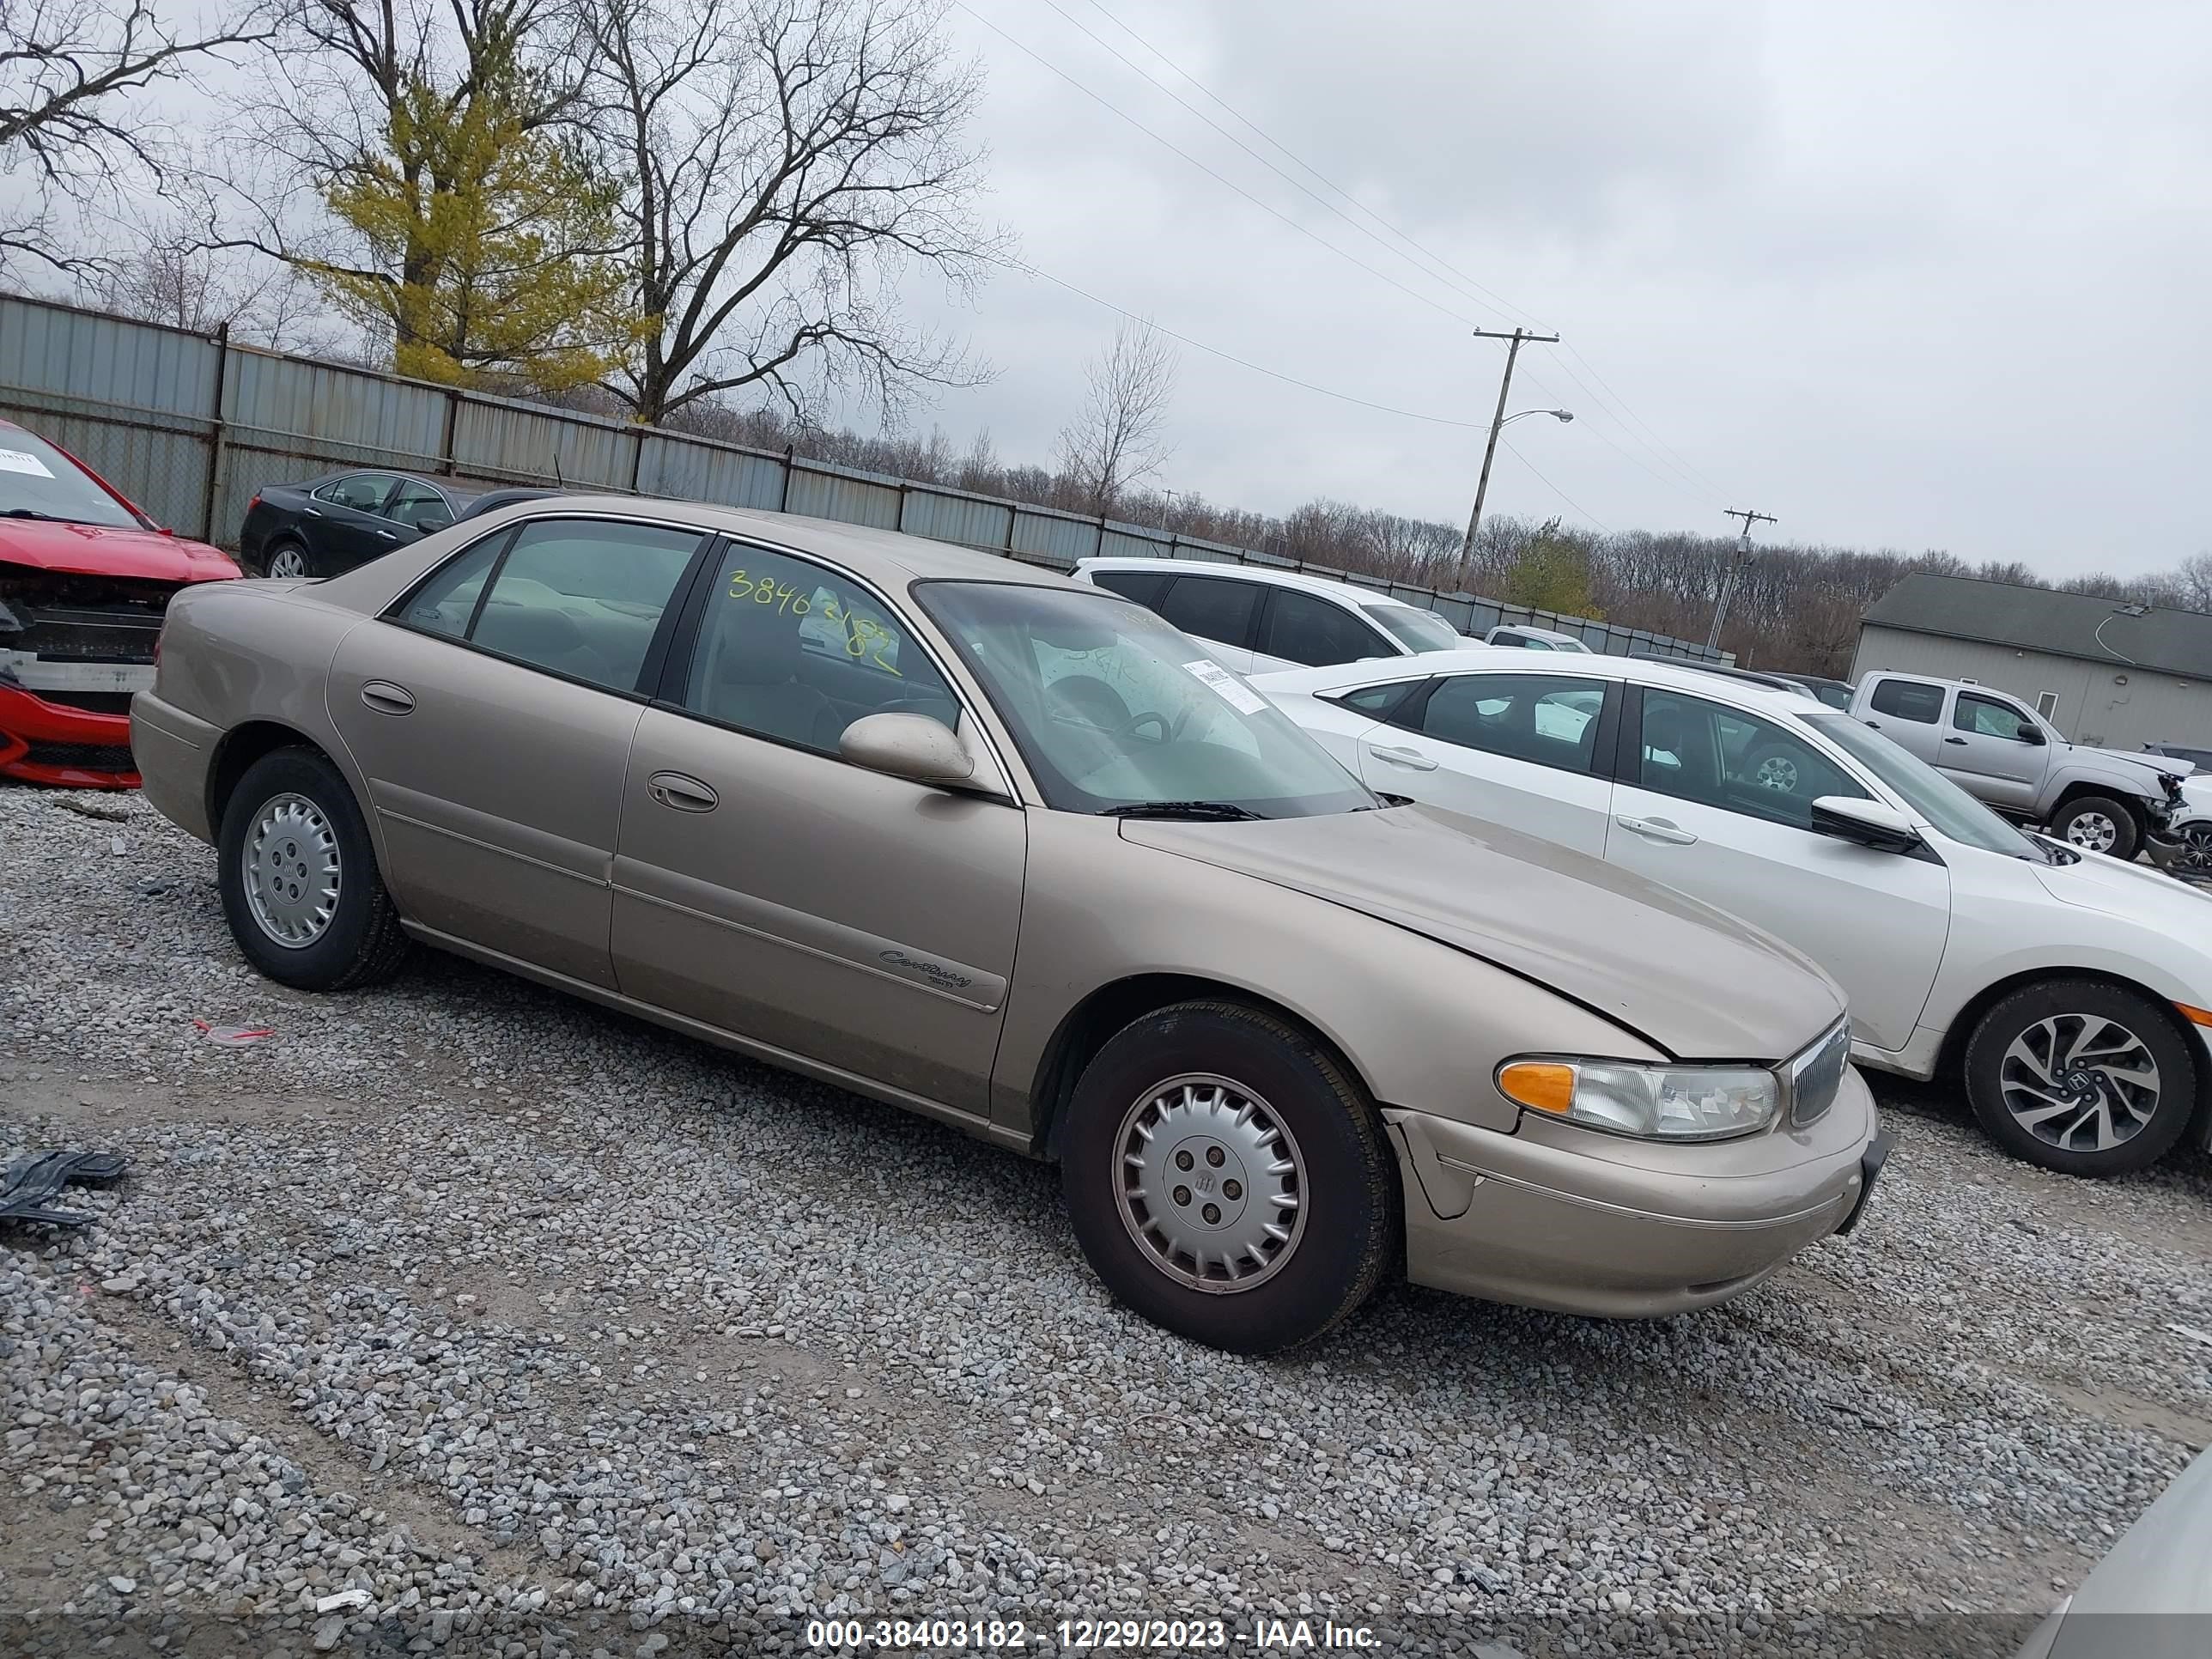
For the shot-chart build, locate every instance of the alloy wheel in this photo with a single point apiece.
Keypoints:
(2094, 830)
(2082, 1083)
(1777, 773)
(1211, 1184)
(291, 869)
(288, 563)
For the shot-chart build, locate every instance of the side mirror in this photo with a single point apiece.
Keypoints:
(1870, 822)
(910, 746)
(2031, 734)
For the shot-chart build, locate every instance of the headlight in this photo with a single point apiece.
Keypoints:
(1658, 1102)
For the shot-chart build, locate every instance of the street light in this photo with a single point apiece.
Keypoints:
(1482, 485)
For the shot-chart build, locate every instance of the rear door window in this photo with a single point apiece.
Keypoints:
(1142, 586)
(1549, 719)
(582, 597)
(364, 492)
(1909, 700)
(1212, 608)
(1303, 628)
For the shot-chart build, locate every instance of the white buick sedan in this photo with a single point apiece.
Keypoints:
(2070, 992)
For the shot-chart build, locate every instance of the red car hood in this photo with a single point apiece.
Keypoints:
(96, 550)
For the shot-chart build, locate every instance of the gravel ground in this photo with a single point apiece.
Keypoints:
(551, 1332)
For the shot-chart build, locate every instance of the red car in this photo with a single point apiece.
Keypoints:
(84, 578)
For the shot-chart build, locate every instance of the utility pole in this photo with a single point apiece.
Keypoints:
(1741, 562)
(1489, 450)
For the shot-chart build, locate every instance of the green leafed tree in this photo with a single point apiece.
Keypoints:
(419, 159)
(1552, 572)
(486, 247)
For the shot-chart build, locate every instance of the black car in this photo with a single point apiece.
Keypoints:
(322, 526)
(1836, 694)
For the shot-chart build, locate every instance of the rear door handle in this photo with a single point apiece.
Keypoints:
(389, 535)
(1961, 742)
(1412, 759)
(1657, 830)
(386, 698)
(312, 511)
(683, 793)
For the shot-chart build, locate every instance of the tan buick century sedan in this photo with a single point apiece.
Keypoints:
(980, 842)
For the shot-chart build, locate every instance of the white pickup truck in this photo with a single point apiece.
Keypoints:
(1995, 747)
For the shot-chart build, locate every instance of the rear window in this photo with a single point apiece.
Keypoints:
(1909, 700)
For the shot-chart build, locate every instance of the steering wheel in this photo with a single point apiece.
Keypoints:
(1169, 730)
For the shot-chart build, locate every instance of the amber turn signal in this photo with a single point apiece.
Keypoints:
(1545, 1084)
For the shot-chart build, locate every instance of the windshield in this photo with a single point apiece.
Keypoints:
(1417, 630)
(37, 481)
(1113, 709)
(1950, 809)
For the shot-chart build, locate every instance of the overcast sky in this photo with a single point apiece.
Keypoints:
(1905, 275)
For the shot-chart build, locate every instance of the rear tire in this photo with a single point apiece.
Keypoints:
(2098, 823)
(1774, 768)
(288, 559)
(299, 880)
(1190, 1128)
(2055, 1066)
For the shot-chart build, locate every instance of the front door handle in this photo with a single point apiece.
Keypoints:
(386, 698)
(1961, 742)
(682, 791)
(389, 535)
(1412, 759)
(1657, 830)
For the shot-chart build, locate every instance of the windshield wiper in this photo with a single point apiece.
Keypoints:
(32, 513)
(1223, 810)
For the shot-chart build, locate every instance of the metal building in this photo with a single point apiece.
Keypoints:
(2102, 672)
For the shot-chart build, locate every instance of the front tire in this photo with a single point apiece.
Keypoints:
(2081, 1077)
(299, 880)
(2098, 824)
(1228, 1179)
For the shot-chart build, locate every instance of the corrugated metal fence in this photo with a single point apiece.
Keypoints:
(189, 425)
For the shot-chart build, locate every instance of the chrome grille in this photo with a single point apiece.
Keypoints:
(1817, 1073)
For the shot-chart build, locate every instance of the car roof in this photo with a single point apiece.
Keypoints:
(1485, 659)
(887, 556)
(1352, 591)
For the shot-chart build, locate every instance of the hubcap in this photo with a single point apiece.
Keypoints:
(290, 864)
(2079, 1081)
(2094, 830)
(287, 562)
(1777, 772)
(1211, 1184)
(2197, 847)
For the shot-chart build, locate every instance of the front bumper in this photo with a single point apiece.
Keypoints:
(1555, 1216)
(50, 743)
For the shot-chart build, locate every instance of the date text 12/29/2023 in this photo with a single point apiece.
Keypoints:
(1095, 1635)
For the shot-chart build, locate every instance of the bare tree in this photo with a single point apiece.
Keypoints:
(175, 276)
(1118, 438)
(789, 161)
(71, 131)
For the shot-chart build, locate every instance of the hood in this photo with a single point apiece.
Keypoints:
(2131, 761)
(87, 549)
(1691, 980)
(2134, 890)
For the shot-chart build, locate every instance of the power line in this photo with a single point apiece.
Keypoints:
(1304, 189)
(1243, 363)
(1223, 179)
(1607, 400)
(1556, 491)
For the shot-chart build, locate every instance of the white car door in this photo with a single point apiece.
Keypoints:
(1519, 750)
(1701, 806)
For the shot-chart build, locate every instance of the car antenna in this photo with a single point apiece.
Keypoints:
(560, 481)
